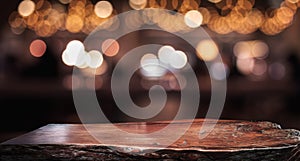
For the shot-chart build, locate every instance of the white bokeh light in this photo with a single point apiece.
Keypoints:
(75, 55)
(26, 8)
(96, 59)
(164, 53)
(151, 66)
(193, 18)
(178, 59)
(103, 9)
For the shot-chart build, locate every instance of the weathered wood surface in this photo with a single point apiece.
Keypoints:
(228, 141)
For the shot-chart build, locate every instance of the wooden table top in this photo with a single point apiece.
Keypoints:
(227, 136)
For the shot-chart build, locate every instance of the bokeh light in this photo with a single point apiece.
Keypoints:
(164, 53)
(26, 8)
(214, 1)
(74, 23)
(151, 66)
(245, 66)
(178, 59)
(259, 68)
(75, 54)
(207, 50)
(65, 1)
(251, 49)
(260, 49)
(193, 18)
(137, 4)
(277, 71)
(83, 60)
(96, 59)
(242, 50)
(103, 9)
(110, 47)
(37, 48)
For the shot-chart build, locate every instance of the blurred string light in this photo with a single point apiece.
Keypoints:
(222, 17)
(47, 18)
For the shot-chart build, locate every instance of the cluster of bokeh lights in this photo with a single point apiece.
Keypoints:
(166, 59)
(222, 16)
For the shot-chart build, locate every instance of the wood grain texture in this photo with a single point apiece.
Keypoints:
(228, 141)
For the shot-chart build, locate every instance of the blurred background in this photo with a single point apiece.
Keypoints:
(259, 42)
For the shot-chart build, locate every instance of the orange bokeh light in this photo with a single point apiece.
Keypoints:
(110, 47)
(37, 48)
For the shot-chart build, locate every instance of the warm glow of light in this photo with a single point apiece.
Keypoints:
(284, 15)
(110, 47)
(219, 25)
(259, 68)
(175, 4)
(44, 28)
(74, 23)
(151, 66)
(43, 7)
(65, 1)
(260, 49)
(26, 8)
(214, 1)
(206, 14)
(207, 50)
(32, 20)
(193, 18)
(103, 9)
(242, 50)
(219, 71)
(96, 59)
(293, 1)
(37, 48)
(178, 59)
(137, 4)
(245, 66)
(164, 53)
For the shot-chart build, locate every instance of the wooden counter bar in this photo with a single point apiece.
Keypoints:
(229, 141)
